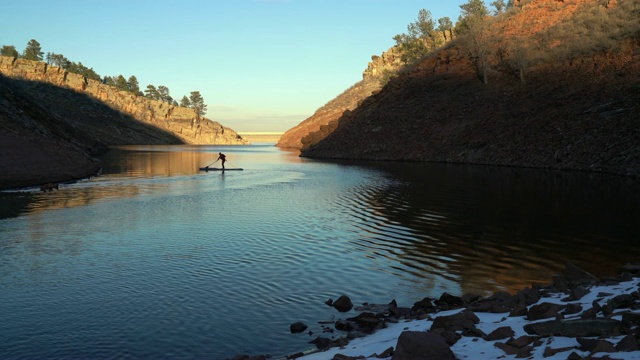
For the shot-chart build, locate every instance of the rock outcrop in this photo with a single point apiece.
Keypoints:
(183, 123)
(325, 119)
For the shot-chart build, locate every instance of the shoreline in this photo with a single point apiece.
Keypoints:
(576, 316)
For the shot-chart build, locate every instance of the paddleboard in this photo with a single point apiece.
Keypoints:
(219, 169)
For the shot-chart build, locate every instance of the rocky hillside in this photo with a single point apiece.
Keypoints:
(324, 120)
(37, 147)
(561, 92)
(183, 123)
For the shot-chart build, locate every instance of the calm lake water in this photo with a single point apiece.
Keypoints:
(154, 259)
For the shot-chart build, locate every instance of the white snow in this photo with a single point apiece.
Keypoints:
(479, 349)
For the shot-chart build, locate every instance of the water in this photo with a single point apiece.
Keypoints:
(154, 259)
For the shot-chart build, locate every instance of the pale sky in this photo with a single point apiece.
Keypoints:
(260, 65)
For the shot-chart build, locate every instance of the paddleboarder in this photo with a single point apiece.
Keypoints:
(222, 157)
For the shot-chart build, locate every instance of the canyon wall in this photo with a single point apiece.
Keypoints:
(182, 122)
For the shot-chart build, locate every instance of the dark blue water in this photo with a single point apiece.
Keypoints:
(154, 259)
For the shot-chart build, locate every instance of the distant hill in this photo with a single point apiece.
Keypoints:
(561, 92)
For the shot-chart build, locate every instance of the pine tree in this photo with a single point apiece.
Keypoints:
(33, 51)
(197, 103)
(9, 50)
(133, 86)
(185, 102)
(163, 93)
(151, 92)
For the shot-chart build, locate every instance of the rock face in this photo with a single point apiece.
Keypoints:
(181, 122)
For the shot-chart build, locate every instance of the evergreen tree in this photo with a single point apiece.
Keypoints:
(164, 95)
(9, 50)
(419, 40)
(108, 80)
(197, 103)
(58, 60)
(33, 51)
(121, 83)
(151, 92)
(185, 102)
(472, 14)
(133, 86)
(78, 68)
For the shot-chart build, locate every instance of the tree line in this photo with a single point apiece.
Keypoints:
(425, 34)
(33, 51)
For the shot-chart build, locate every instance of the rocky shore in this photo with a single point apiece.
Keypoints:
(577, 316)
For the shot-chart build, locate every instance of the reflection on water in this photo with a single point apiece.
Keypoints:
(491, 228)
(156, 259)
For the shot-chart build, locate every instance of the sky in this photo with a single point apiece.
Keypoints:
(260, 65)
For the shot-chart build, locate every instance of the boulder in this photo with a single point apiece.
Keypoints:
(630, 319)
(451, 337)
(418, 345)
(463, 320)
(297, 327)
(622, 301)
(343, 304)
(550, 351)
(604, 346)
(574, 328)
(344, 325)
(423, 305)
(628, 343)
(572, 309)
(578, 292)
(544, 311)
(450, 300)
(321, 343)
(522, 341)
(576, 276)
(502, 332)
(508, 349)
(524, 352)
(366, 320)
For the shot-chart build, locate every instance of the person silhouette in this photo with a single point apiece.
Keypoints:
(222, 157)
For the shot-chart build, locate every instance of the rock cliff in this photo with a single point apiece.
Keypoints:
(324, 120)
(183, 123)
(573, 104)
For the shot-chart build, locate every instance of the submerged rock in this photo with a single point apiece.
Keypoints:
(343, 304)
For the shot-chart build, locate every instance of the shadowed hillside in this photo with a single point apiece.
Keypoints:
(38, 146)
(551, 85)
(183, 123)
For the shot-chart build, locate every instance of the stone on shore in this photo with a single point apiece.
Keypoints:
(574, 328)
(419, 345)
